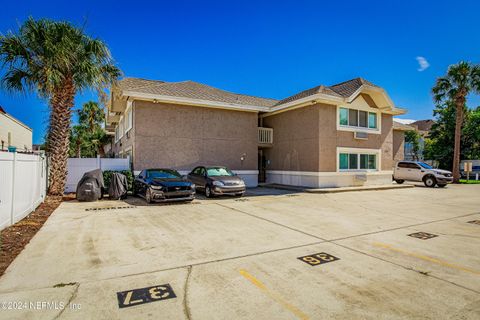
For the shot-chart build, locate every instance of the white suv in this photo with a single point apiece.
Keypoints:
(419, 171)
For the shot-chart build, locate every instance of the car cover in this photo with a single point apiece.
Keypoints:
(90, 187)
(118, 186)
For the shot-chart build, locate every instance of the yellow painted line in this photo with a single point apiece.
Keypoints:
(427, 258)
(257, 283)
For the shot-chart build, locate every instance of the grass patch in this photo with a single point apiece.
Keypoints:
(465, 181)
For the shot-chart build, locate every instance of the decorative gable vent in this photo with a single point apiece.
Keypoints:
(360, 135)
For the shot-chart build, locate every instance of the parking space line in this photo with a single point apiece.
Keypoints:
(273, 295)
(426, 258)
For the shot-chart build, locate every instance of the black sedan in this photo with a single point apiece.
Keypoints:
(163, 185)
(217, 181)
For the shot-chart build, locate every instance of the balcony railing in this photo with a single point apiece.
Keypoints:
(265, 136)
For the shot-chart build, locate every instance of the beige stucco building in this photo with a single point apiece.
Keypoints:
(14, 133)
(326, 136)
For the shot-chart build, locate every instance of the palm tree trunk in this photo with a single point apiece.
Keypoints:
(61, 109)
(458, 135)
(100, 151)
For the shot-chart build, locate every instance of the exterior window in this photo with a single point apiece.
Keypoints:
(364, 161)
(352, 117)
(343, 161)
(117, 128)
(362, 119)
(344, 116)
(372, 120)
(128, 120)
(121, 131)
(352, 161)
(358, 118)
(356, 161)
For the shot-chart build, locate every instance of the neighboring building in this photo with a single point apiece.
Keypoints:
(399, 140)
(325, 136)
(423, 127)
(14, 133)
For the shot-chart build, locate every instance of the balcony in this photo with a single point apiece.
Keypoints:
(265, 137)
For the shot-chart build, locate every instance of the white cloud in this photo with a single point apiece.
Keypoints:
(404, 121)
(423, 63)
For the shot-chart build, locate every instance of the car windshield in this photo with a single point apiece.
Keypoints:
(219, 172)
(424, 165)
(163, 174)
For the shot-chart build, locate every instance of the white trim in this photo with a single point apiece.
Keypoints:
(365, 88)
(329, 179)
(316, 98)
(327, 173)
(121, 129)
(378, 130)
(129, 116)
(117, 133)
(195, 102)
(313, 99)
(377, 152)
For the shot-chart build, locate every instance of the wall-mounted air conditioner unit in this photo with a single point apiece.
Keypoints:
(360, 135)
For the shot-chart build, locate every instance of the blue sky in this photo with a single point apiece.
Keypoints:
(268, 48)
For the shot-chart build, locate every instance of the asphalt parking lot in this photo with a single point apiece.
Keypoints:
(392, 254)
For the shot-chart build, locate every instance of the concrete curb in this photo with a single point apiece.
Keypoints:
(337, 190)
(366, 188)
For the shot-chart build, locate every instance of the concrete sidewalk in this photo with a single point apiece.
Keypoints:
(249, 258)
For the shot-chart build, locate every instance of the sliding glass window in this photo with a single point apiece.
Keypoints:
(357, 161)
(357, 118)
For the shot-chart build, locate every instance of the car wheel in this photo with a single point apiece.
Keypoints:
(148, 196)
(429, 181)
(441, 185)
(208, 192)
(399, 181)
(239, 194)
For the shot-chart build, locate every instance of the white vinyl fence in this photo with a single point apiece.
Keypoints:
(23, 184)
(78, 166)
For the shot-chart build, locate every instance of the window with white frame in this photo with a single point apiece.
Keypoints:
(357, 118)
(128, 120)
(349, 161)
(120, 125)
(117, 134)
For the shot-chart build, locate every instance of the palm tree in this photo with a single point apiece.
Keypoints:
(77, 140)
(461, 80)
(91, 115)
(57, 60)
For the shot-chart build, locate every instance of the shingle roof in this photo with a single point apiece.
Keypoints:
(347, 88)
(195, 90)
(310, 92)
(401, 126)
(191, 89)
(424, 125)
(340, 90)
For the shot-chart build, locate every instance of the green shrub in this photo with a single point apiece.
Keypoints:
(107, 176)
